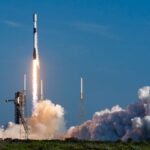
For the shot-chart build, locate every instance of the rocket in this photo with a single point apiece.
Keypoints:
(35, 46)
(36, 66)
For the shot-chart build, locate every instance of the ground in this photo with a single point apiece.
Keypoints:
(72, 145)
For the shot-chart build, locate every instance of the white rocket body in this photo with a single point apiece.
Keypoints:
(35, 39)
(36, 62)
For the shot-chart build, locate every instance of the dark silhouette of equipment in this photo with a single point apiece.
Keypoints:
(19, 103)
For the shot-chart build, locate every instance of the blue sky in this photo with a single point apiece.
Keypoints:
(105, 41)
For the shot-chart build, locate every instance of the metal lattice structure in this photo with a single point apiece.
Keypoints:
(19, 103)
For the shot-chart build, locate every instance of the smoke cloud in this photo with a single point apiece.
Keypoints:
(47, 122)
(117, 123)
(144, 93)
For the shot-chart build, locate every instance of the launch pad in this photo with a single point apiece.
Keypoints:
(19, 108)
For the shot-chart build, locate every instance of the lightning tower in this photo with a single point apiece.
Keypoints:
(81, 107)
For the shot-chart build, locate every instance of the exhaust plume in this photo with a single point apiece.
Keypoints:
(47, 122)
(117, 123)
(35, 84)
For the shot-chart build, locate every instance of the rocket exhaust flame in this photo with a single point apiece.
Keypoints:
(35, 84)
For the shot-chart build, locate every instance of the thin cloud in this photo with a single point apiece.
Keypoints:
(11, 23)
(102, 30)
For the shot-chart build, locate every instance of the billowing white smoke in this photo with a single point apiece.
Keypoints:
(47, 122)
(144, 93)
(117, 123)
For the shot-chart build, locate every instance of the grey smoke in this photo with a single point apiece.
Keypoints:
(117, 123)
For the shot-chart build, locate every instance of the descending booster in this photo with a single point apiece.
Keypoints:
(35, 47)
